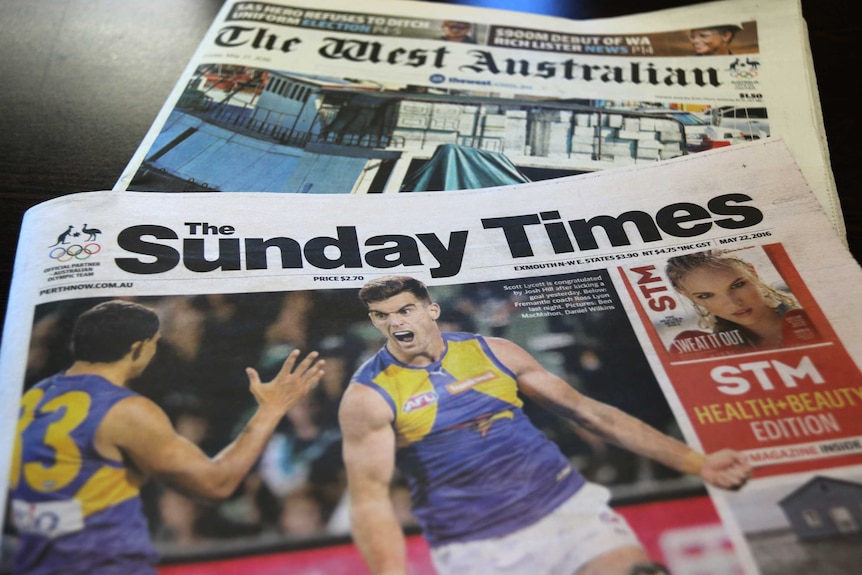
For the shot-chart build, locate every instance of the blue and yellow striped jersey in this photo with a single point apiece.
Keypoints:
(476, 466)
(75, 510)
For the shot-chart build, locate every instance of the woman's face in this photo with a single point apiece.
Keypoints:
(729, 292)
(709, 42)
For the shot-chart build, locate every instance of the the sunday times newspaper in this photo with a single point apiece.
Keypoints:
(707, 295)
(386, 96)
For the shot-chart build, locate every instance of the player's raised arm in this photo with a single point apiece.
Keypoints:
(369, 457)
(726, 469)
(140, 430)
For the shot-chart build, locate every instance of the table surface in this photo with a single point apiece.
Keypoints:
(84, 80)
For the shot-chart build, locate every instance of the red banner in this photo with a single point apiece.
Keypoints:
(791, 404)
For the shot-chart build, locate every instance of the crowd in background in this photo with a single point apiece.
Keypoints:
(297, 489)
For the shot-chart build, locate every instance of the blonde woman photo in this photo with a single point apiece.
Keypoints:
(734, 303)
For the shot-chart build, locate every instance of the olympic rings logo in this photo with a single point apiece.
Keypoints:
(75, 252)
(743, 74)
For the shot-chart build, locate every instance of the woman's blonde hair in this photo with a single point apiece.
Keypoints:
(679, 267)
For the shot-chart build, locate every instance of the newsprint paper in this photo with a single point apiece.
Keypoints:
(386, 96)
(595, 275)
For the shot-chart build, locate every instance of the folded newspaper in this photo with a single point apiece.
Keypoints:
(707, 296)
(297, 97)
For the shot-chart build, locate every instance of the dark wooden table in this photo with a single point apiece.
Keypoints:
(82, 81)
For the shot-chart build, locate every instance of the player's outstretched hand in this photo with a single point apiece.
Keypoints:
(726, 469)
(290, 384)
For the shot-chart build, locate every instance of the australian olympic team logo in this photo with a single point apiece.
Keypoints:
(744, 69)
(69, 247)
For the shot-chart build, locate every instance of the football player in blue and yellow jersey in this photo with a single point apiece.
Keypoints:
(491, 493)
(85, 445)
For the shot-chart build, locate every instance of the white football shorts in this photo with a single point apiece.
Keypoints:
(579, 530)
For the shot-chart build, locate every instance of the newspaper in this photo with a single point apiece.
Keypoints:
(389, 96)
(576, 270)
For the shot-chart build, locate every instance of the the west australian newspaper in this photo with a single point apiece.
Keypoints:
(727, 316)
(385, 96)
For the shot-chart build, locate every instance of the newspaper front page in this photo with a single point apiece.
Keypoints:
(727, 317)
(290, 97)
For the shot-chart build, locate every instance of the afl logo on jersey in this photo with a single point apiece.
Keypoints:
(419, 401)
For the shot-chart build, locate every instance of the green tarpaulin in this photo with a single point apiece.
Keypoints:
(454, 167)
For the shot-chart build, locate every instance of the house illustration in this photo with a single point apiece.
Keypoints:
(824, 507)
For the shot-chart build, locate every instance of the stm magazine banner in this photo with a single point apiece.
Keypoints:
(706, 296)
(292, 97)
(774, 373)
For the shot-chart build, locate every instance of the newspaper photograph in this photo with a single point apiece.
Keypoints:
(681, 374)
(292, 98)
(747, 301)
